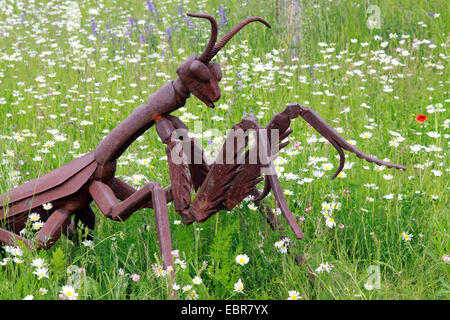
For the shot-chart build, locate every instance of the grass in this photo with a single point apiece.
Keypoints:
(83, 82)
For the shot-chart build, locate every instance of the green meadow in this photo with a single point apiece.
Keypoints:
(376, 71)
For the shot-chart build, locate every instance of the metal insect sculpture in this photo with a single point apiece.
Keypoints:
(220, 185)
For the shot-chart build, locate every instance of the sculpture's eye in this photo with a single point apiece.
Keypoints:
(216, 71)
(200, 71)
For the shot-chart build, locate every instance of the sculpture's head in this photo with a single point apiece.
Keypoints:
(201, 76)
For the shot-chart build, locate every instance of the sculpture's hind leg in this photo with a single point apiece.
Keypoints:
(187, 164)
(11, 238)
(107, 202)
(54, 227)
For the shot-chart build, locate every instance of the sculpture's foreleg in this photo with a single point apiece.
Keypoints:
(232, 176)
(179, 175)
(281, 123)
(183, 154)
(197, 164)
(294, 110)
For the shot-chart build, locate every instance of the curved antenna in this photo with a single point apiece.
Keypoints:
(233, 31)
(212, 40)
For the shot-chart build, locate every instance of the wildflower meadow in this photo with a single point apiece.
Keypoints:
(376, 71)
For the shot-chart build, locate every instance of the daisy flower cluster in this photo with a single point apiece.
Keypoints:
(328, 209)
(282, 245)
(14, 254)
(34, 223)
(41, 270)
(188, 289)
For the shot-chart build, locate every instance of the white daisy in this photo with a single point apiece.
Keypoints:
(239, 286)
(197, 280)
(324, 267)
(69, 292)
(33, 217)
(242, 259)
(41, 272)
(368, 286)
(293, 295)
(406, 236)
(330, 222)
(47, 206)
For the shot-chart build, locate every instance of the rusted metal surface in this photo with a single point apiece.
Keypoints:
(48, 181)
(11, 238)
(56, 225)
(194, 154)
(232, 33)
(70, 186)
(221, 185)
(179, 175)
(163, 225)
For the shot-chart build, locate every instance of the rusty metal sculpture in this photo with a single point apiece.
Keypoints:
(221, 185)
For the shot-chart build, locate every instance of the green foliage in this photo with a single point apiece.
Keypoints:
(58, 263)
(222, 270)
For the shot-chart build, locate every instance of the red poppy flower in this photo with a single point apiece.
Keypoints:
(421, 118)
